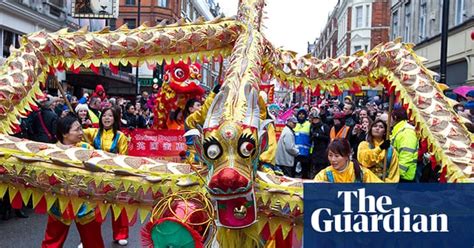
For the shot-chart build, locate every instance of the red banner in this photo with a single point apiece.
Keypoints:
(156, 143)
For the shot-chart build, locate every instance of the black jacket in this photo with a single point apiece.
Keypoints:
(134, 121)
(36, 132)
(319, 134)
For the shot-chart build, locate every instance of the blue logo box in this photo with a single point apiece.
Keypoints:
(388, 215)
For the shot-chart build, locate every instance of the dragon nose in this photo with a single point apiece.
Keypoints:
(228, 178)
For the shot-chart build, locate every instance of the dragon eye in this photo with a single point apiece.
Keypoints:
(246, 149)
(213, 151)
(179, 73)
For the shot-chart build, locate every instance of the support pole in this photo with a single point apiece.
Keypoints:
(63, 93)
(137, 86)
(444, 42)
(389, 130)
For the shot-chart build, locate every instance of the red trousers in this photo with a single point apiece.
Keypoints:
(56, 234)
(120, 226)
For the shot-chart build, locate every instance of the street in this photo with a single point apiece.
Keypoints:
(26, 233)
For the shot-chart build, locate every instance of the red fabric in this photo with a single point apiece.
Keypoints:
(17, 202)
(56, 234)
(41, 207)
(283, 243)
(94, 69)
(228, 178)
(120, 226)
(99, 88)
(114, 69)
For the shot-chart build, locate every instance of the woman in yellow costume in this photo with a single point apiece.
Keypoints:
(342, 169)
(108, 138)
(376, 150)
(69, 134)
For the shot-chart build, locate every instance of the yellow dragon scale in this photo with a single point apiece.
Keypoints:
(74, 175)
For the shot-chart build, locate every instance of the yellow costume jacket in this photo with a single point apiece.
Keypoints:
(347, 175)
(106, 140)
(373, 159)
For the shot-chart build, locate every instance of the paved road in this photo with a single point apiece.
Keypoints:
(26, 233)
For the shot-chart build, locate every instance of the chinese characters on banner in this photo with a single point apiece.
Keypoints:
(156, 143)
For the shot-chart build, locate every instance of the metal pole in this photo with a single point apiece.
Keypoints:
(389, 130)
(138, 64)
(444, 42)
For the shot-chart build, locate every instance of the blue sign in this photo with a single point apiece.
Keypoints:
(388, 215)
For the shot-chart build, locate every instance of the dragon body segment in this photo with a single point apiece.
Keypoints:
(247, 203)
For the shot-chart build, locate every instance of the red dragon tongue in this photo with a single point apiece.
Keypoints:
(237, 212)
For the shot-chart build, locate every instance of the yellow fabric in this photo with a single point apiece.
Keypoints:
(347, 175)
(107, 139)
(89, 217)
(199, 117)
(94, 118)
(405, 141)
(268, 156)
(373, 159)
(194, 119)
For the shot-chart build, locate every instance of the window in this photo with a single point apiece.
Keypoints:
(129, 2)
(188, 9)
(459, 12)
(112, 24)
(422, 23)
(9, 39)
(406, 33)
(58, 3)
(131, 23)
(358, 20)
(395, 25)
(367, 15)
(357, 48)
(366, 48)
(163, 3)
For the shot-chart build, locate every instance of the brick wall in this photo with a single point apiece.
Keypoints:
(380, 22)
(349, 27)
(149, 12)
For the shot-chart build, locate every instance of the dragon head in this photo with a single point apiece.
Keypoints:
(183, 78)
(230, 145)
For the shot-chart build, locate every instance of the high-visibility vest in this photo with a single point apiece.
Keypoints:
(94, 118)
(342, 134)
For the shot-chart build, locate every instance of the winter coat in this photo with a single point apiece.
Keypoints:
(36, 130)
(286, 148)
(320, 141)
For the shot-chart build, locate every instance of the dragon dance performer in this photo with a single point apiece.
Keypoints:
(108, 138)
(69, 133)
(372, 153)
(342, 169)
(197, 118)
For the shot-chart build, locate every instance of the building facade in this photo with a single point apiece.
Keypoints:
(19, 17)
(419, 22)
(354, 25)
(207, 9)
(326, 44)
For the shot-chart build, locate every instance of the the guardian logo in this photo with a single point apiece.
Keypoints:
(375, 215)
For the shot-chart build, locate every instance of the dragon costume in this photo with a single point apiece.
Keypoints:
(180, 84)
(229, 199)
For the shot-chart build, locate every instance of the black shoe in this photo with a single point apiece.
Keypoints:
(6, 214)
(20, 214)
